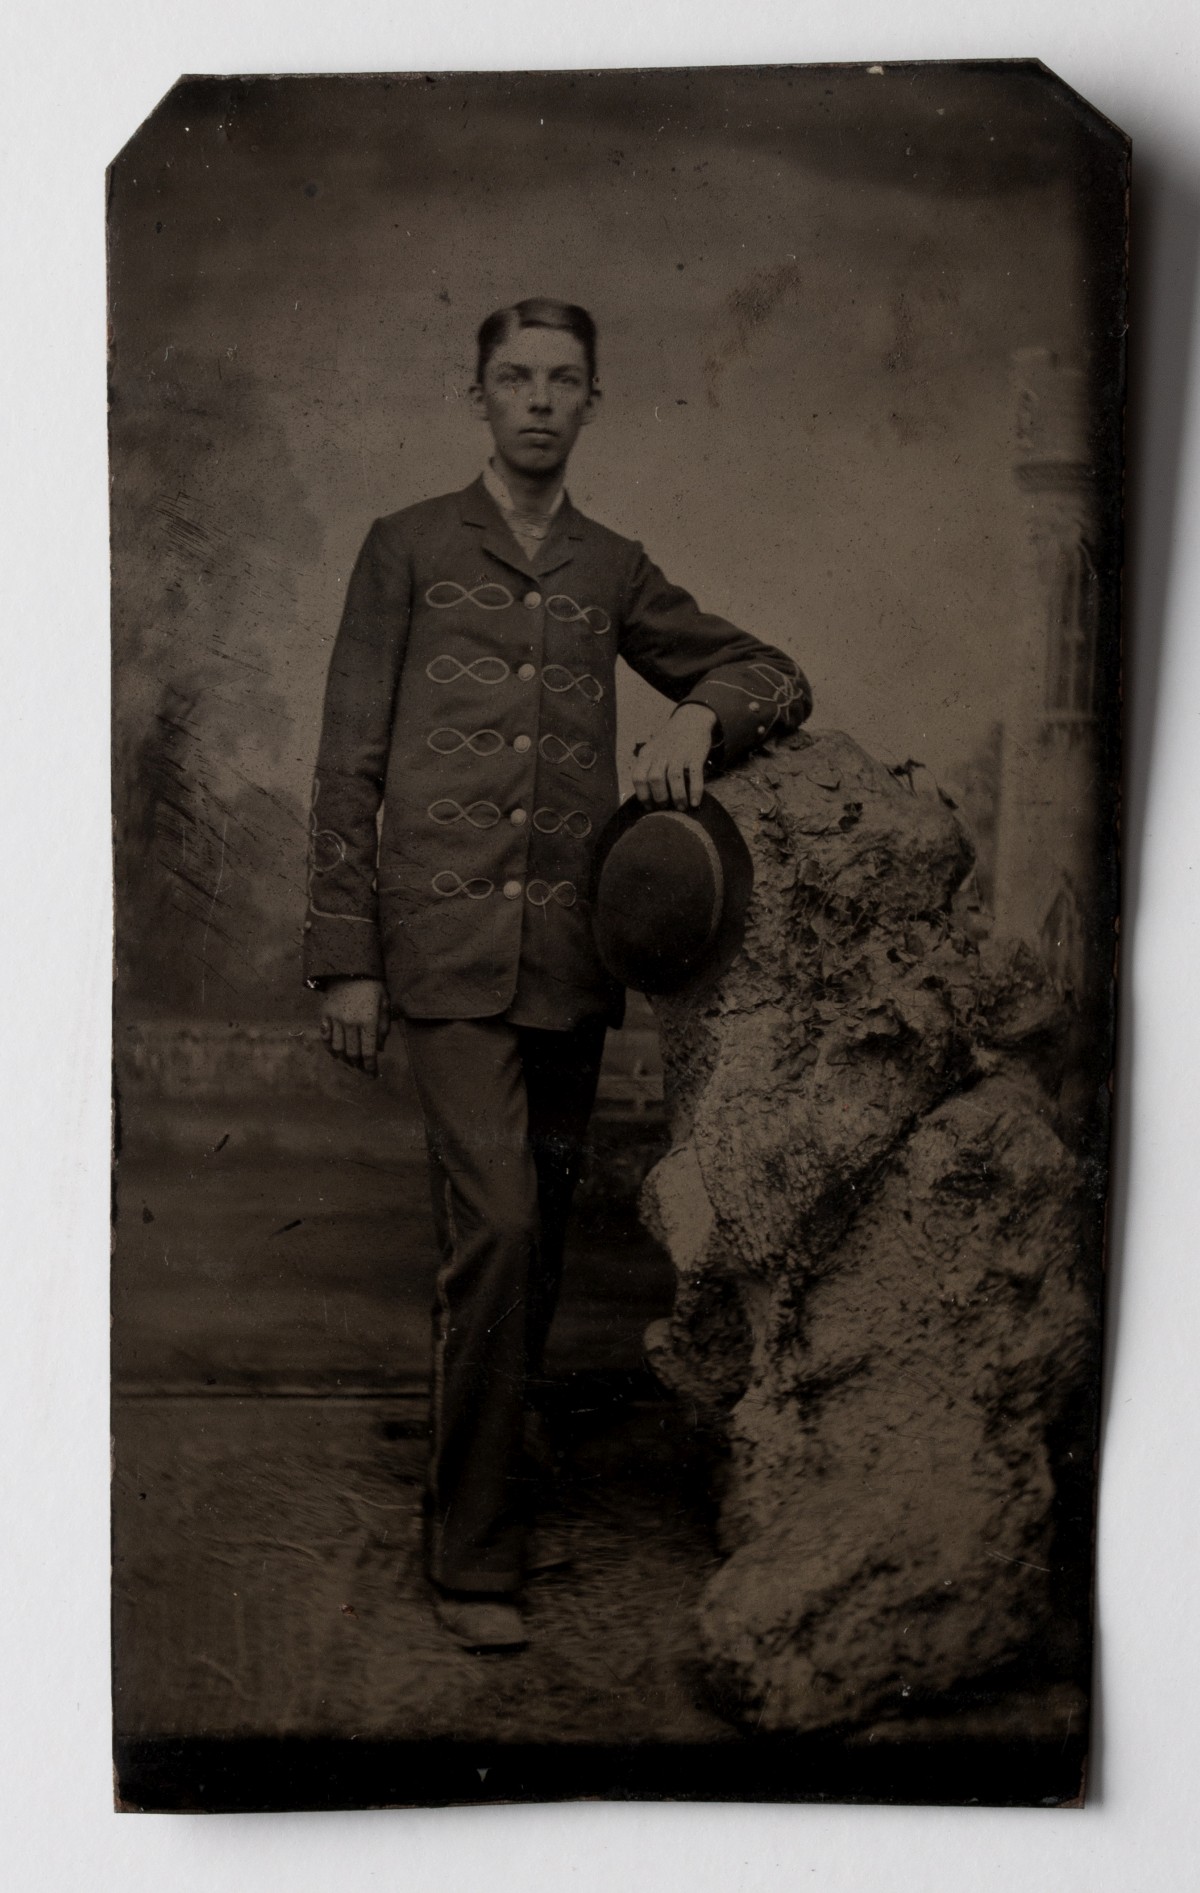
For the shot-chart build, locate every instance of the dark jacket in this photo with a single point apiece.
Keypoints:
(471, 691)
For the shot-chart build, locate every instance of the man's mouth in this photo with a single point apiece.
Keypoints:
(538, 433)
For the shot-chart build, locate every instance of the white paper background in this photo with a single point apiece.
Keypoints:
(74, 82)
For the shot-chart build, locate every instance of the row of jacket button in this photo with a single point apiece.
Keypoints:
(483, 814)
(448, 669)
(540, 893)
(448, 593)
(447, 742)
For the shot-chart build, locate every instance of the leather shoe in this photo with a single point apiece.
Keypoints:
(481, 1623)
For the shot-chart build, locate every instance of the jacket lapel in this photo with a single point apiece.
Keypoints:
(559, 546)
(557, 549)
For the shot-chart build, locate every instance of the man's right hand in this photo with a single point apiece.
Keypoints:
(355, 1021)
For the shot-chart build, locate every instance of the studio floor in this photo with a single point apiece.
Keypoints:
(270, 1350)
(269, 1580)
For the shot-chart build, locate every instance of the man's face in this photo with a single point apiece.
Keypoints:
(535, 398)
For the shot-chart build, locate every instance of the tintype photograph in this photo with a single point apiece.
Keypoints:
(616, 674)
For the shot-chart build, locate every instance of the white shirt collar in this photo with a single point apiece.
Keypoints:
(529, 522)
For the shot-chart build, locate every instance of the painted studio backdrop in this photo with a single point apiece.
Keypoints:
(859, 346)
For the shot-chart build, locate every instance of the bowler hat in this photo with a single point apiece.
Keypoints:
(670, 890)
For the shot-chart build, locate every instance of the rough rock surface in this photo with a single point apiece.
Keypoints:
(885, 1301)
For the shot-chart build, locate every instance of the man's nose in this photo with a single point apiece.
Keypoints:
(539, 394)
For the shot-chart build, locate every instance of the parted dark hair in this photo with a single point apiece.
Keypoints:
(536, 312)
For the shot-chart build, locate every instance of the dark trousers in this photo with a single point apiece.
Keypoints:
(506, 1114)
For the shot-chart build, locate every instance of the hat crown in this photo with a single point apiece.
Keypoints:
(669, 894)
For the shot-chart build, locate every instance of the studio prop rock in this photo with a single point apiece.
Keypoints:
(884, 1310)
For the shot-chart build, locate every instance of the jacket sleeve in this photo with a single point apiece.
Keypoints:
(341, 930)
(694, 657)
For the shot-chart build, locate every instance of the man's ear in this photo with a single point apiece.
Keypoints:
(593, 402)
(478, 403)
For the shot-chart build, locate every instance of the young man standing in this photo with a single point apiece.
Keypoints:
(471, 692)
